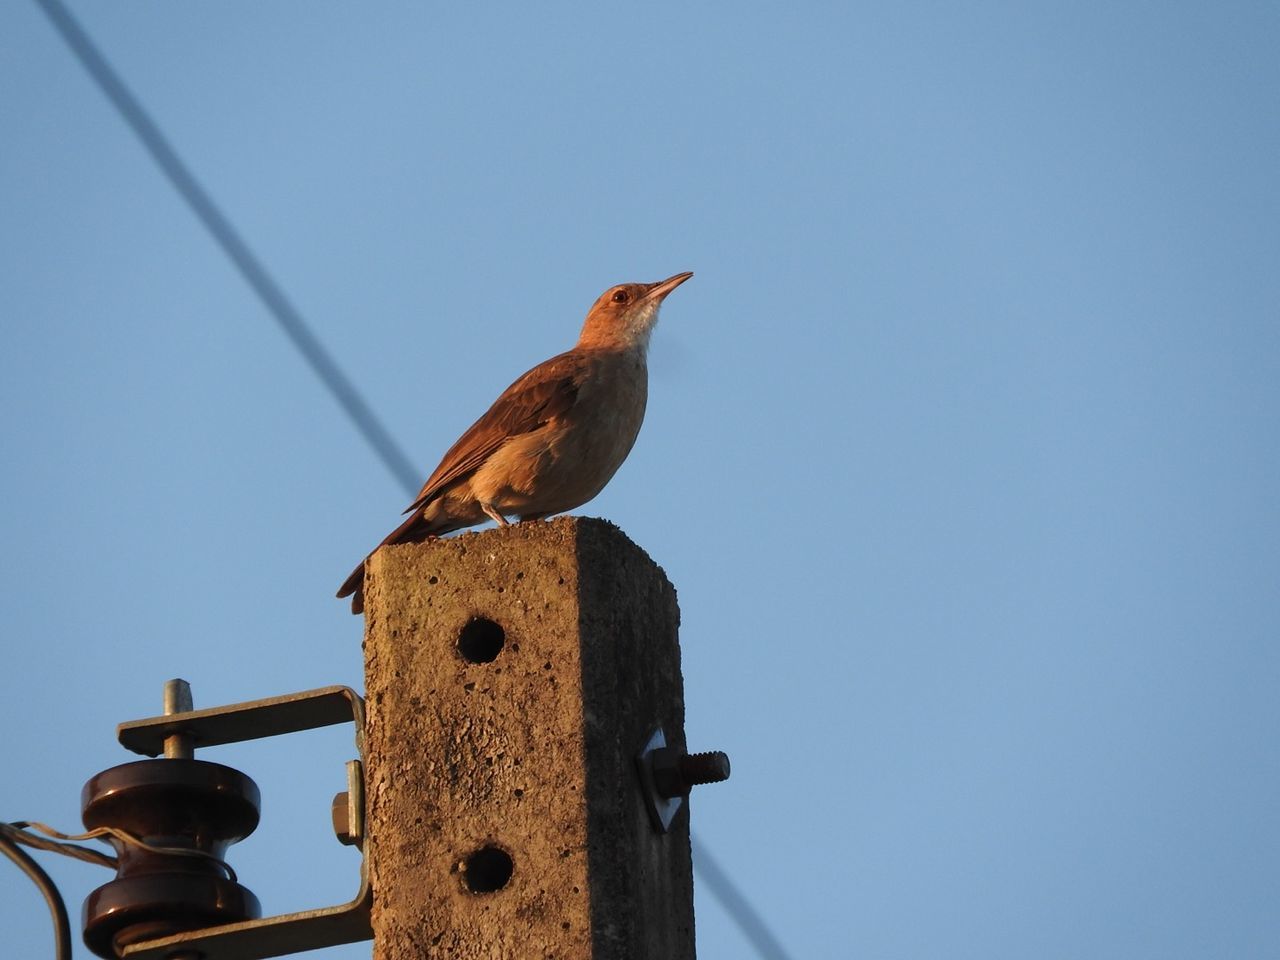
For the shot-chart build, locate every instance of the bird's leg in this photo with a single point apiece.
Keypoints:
(492, 513)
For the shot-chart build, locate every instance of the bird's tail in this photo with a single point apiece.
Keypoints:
(414, 530)
(353, 587)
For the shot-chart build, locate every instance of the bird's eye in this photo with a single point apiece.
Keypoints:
(621, 296)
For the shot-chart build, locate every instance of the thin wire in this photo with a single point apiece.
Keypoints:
(58, 909)
(254, 273)
(124, 836)
(738, 906)
(15, 833)
(384, 446)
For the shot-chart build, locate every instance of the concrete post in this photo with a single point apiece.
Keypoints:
(511, 678)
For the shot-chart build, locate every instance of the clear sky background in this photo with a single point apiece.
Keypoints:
(962, 447)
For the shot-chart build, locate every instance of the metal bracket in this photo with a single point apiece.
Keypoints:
(251, 720)
(254, 720)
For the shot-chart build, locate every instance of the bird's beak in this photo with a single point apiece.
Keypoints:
(660, 289)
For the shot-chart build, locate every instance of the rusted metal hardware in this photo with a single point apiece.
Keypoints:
(190, 909)
(348, 807)
(667, 775)
(676, 773)
(251, 720)
(268, 937)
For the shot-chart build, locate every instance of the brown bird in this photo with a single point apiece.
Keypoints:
(553, 439)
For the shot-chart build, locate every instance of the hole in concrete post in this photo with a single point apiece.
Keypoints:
(481, 640)
(487, 870)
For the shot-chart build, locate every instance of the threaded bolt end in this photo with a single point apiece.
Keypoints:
(709, 767)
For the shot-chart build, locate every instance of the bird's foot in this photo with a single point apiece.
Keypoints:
(492, 513)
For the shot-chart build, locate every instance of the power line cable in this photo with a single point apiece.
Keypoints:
(254, 273)
(58, 909)
(736, 904)
(16, 833)
(388, 451)
(21, 831)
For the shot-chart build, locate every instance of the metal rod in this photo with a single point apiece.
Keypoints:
(177, 699)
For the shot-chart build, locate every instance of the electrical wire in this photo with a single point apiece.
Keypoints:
(314, 353)
(18, 831)
(255, 274)
(736, 904)
(58, 909)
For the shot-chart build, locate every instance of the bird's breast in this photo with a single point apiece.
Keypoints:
(567, 461)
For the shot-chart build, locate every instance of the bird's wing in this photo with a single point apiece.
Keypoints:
(545, 392)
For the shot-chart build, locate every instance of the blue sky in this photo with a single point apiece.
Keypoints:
(962, 444)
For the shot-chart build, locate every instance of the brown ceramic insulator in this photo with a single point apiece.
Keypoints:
(187, 804)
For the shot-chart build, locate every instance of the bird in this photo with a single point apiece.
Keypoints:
(553, 439)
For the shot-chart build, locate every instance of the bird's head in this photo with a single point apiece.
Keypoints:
(625, 315)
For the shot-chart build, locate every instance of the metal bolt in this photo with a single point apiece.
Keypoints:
(709, 767)
(676, 773)
(348, 807)
(177, 699)
(341, 812)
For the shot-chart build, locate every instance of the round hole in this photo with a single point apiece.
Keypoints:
(481, 640)
(487, 870)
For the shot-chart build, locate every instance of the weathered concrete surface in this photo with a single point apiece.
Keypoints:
(532, 753)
